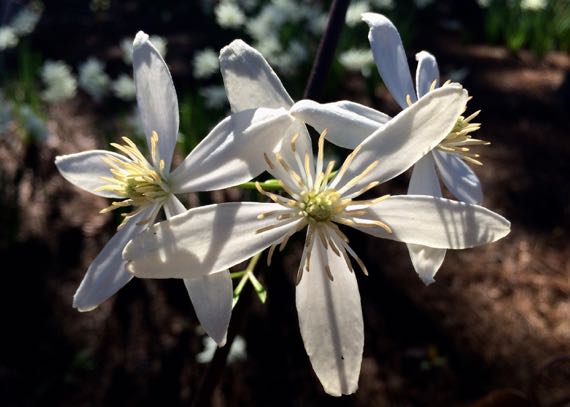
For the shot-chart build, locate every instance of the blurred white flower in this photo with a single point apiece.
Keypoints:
(229, 15)
(355, 11)
(422, 3)
(32, 123)
(93, 79)
(534, 5)
(266, 23)
(126, 45)
(214, 97)
(59, 80)
(270, 47)
(25, 21)
(289, 10)
(205, 63)
(383, 4)
(8, 38)
(356, 60)
(124, 88)
(483, 3)
(237, 351)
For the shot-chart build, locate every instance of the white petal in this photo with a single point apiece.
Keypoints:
(294, 159)
(204, 240)
(84, 170)
(156, 97)
(459, 178)
(426, 261)
(249, 80)
(426, 72)
(173, 207)
(330, 318)
(436, 222)
(424, 179)
(390, 57)
(233, 151)
(407, 137)
(212, 298)
(348, 123)
(106, 274)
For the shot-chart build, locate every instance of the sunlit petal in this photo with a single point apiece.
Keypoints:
(156, 97)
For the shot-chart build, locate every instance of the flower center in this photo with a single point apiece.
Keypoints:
(321, 206)
(135, 180)
(459, 140)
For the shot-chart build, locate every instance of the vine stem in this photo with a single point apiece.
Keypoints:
(319, 71)
(327, 48)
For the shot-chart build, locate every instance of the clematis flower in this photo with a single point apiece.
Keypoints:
(449, 156)
(221, 160)
(212, 238)
(251, 83)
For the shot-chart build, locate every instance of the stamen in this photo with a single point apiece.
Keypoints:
(409, 100)
(294, 141)
(433, 84)
(359, 177)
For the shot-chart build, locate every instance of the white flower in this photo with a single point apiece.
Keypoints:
(483, 3)
(60, 82)
(357, 60)
(449, 155)
(205, 63)
(149, 185)
(93, 79)
(229, 15)
(266, 23)
(354, 12)
(214, 237)
(124, 88)
(8, 38)
(237, 351)
(534, 5)
(25, 21)
(214, 97)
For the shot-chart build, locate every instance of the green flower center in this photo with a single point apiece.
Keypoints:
(321, 206)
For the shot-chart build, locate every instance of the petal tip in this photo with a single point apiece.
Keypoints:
(235, 47)
(373, 19)
(140, 39)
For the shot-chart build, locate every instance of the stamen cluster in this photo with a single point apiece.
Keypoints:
(135, 179)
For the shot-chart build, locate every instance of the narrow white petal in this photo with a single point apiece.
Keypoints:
(390, 57)
(173, 207)
(212, 298)
(233, 151)
(294, 159)
(84, 170)
(330, 319)
(424, 179)
(408, 136)
(459, 178)
(204, 240)
(426, 261)
(249, 80)
(348, 123)
(156, 97)
(426, 73)
(106, 274)
(436, 222)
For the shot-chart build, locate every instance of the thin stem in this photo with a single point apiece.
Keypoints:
(327, 48)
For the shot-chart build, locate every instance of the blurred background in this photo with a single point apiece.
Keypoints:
(494, 330)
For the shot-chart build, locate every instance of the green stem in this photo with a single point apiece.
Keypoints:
(269, 185)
